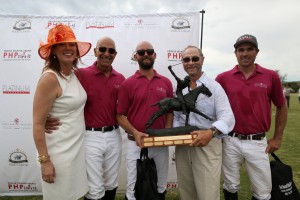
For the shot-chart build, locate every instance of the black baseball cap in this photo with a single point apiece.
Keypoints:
(246, 38)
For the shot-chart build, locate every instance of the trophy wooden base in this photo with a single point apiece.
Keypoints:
(168, 140)
(170, 136)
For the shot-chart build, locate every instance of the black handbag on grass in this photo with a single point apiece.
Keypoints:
(146, 178)
(283, 186)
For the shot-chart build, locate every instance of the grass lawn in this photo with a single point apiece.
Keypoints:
(288, 153)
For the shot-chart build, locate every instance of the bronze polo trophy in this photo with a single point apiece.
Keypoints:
(185, 103)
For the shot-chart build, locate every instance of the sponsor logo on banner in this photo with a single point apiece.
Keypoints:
(102, 24)
(140, 24)
(174, 55)
(23, 25)
(15, 89)
(18, 158)
(16, 55)
(172, 185)
(132, 59)
(52, 23)
(180, 25)
(22, 187)
(17, 124)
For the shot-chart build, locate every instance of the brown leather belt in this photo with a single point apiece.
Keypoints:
(258, 136)
(103, 128)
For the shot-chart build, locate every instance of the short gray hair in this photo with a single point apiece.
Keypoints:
(191, 46)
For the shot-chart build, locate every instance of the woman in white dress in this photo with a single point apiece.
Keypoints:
(59, 93)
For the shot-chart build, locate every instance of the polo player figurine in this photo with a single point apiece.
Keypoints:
(185, 103)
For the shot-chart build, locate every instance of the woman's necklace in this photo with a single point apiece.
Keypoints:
(67, 77)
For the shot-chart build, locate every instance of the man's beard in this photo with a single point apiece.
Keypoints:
(146, 66)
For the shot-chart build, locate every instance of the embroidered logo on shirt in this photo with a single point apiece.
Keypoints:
(161, 89)
(261, 85)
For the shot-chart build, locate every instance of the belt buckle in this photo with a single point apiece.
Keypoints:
(240, 136)
(248, 137)
(244, 137)
(103, 129)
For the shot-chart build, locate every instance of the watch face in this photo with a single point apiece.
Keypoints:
(215, 133)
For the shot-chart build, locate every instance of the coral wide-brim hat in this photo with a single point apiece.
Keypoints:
(62, 34)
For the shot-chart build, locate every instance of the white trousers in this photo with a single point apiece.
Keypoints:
(161, 158)
(252, 153)
(103, 160)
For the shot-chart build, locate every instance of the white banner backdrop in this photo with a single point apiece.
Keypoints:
(21, 67)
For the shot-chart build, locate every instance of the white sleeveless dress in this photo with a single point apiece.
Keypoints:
(65, 145)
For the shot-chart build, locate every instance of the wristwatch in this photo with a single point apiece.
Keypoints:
(215, 131)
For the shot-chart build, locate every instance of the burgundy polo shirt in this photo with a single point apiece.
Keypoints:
(251, 99)
(102, 92)
(136, 96)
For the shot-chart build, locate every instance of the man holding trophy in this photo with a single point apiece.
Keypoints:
(202, 113)
(198, 164)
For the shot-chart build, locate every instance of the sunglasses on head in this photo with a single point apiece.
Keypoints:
(104, 49)
(142, 52)
(188, 59)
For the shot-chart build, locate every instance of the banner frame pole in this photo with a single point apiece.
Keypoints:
(202, 18)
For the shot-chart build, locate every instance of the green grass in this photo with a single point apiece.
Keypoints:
(288, 153)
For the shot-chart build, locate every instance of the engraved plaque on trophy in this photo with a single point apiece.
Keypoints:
(170, 136)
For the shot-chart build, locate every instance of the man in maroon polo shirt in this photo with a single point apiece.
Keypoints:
(136, 95)
(103, 142)
(250, 89)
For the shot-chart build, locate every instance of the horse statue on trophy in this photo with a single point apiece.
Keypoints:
(185, 103)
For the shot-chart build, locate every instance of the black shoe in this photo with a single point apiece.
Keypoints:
(161, 196)
(230, 196)
(110, 194)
